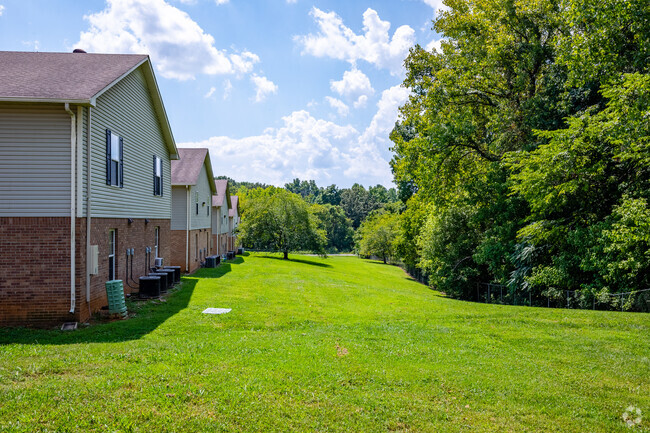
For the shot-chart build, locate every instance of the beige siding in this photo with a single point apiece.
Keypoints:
(34, 160)
(201, 193)
(179, 208)
(126, 109)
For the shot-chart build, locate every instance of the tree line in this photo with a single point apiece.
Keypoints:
(305, 217)
(523, 156)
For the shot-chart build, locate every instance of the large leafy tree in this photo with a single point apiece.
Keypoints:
(275, 219)
(378, 235)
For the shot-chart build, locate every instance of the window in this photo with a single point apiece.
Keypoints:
(157, 176)
(111, 254)
(114, 159)
(196, 246)
(156, 239)
(196, 199)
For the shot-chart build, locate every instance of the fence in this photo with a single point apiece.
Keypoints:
(636, 300)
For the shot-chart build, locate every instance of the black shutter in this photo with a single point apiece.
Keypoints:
(121, 163)
(161, 177)
(108, 157)
(155, 181)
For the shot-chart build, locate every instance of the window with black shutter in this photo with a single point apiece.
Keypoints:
(157, 176)
(114, 159)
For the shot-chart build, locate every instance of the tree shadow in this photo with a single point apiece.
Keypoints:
(149, 315)
(220, 270)
(303, 261)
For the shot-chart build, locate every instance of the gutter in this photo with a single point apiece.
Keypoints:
(88, 178)
(73, 213)
(187, 231)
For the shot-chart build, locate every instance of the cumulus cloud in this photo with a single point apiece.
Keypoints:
(437, 5)
(375, 46)
(434, 46)
(311, 148)
(354, 83)
(370, 155)
(179, 47)
(263, 87)
(221, 2)
(303, 147)
(2, 9)
(361, 101)
(339, 105)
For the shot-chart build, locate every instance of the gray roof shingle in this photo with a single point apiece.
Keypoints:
(186, 170)
(61, 76)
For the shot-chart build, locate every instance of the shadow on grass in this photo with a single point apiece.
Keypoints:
(149, 316)
(219, 271)
(303, 261)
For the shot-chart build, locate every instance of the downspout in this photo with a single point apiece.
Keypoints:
(73, 213)
(187, 231)
(88, 178)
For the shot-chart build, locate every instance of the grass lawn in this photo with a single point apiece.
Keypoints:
(336, 344)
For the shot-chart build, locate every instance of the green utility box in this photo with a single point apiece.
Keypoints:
(115, 293)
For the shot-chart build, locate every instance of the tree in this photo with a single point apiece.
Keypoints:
(378, 234)
(337, 226)
(357, 203)
(277, 220)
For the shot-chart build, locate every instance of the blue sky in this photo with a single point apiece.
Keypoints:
(276, 89)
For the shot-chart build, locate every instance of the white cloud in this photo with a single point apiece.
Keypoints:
(221, 2)
(263, 87)
(243, 63)
(227, 90)
(292, 1)
(178, 46)
(337, 41)
(434, 45)
(210, 92)
(361, 101)
(339, 105)
(303, 147)
(2, 9)
(370, 155)
(311, 148)
(437, 5)
(354, 83)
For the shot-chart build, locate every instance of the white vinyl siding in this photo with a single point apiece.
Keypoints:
(126, 109)
(179, 208)
(34, 160)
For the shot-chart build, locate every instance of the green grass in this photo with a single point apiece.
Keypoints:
(337, 344)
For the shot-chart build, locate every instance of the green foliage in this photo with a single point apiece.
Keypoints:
(337, 227)
(357, 203)
(378, 234)
(275, 219)
(523, 153)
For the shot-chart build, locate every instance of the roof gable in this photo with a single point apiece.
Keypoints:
(186, 170)
(223, 193)
(77, 78)
(69, 77)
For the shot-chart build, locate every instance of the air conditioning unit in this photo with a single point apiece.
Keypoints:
(150, 287)
(158, 262)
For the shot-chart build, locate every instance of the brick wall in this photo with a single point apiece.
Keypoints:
(178, 248)
(34, 270)
(137, 235)
(35, 265)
